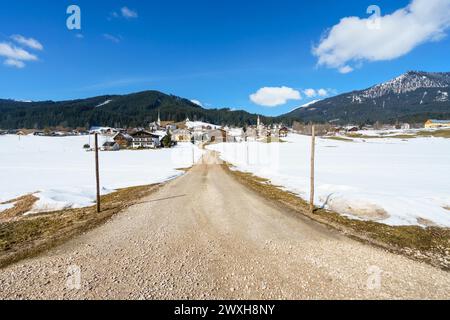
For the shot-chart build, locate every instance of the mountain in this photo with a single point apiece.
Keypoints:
(412, 97)
(132, 110)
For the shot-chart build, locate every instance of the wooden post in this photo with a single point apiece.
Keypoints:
(313, 151)
(97, 173)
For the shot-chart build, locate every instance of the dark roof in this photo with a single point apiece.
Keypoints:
(109, 144)
(144, 133)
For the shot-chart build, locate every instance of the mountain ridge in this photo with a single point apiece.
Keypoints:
(129, 110)
(413, 96)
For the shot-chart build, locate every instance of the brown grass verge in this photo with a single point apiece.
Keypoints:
(430, 245)
(21, 206)
(30, 235)
(339, 139)
(443, 133)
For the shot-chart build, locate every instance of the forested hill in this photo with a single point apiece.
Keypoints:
(132, 110)
(412, 97)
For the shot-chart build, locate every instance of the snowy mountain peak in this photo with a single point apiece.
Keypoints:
(408, 82)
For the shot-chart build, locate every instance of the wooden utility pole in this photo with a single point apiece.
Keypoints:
(97, 173)
(313, 151)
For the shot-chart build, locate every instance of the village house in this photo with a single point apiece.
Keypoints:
(435, 124)
(110, 146)
(145, 140)
(124, 140)
(181, 135)
(251, 134)
(235, 135)
(217, 135)
(283, 132)
(107, 131)
(405, 126)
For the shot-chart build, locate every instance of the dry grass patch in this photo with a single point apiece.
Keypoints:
(431, 244)
(21, 206)
(30, 235)
(339, 139)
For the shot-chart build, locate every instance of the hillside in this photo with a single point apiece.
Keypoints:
(133, 110)
(412, 97)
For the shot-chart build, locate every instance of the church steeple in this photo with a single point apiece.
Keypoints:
(159, 119)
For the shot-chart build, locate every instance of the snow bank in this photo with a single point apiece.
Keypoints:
(7, 206)
(62, 174)
(392, 181)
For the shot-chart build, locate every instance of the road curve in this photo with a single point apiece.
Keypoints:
(205, 236)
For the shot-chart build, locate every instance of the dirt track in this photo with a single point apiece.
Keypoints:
(205, 236)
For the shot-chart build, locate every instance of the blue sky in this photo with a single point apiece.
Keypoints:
(252, 55)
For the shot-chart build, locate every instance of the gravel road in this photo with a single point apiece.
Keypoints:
(205, 236)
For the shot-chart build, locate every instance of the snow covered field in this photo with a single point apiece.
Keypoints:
(393, 181)
(63, 174)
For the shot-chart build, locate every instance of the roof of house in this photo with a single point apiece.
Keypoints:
(125, 135)
(143, 132)
(109, 144)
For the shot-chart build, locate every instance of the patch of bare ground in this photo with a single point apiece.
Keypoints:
(21, 206)
(26, 236)
(336, 138)
(430, 244)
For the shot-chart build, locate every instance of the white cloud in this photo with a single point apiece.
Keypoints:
(354, 40)
(10, 51)
(28, 42)
(322, 92)
(128, 13)
(345, 69)
(274, 96)
(310, 93)
(112, 38)
(197, 102)
(14, 63)
(15, 56)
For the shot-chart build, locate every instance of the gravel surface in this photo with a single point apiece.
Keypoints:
(205, 236)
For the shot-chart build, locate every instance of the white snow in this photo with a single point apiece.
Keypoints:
(103, 104)
(307, 104)
(61, 173)
(7, 206)
(200, 124)
(407, 179)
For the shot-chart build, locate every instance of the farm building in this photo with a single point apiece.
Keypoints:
(235, 135)
(145, 140)
(181, 135)
(283, 132)
(218, 135)
(123, 140)
(433, 124)
(110, 146)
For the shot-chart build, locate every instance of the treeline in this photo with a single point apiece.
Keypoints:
(134, 110)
